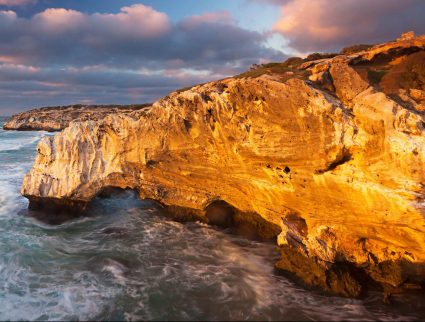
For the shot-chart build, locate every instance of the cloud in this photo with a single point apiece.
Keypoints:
(137, 21)
(138, 54)
(221, 17)
(136, 36)
(58, 20)
(23, 86)
(16, 3)
(329, 25)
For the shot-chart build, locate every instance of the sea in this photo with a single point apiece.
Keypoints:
(126, 260)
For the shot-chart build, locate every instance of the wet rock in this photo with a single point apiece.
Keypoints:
(338, 278)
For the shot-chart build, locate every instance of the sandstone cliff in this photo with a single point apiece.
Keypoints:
(329, 155)
(57, 118)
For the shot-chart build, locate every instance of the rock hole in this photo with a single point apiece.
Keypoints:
(151, 163)
(187, 124)
(247, 224)
(111, 192)
(346, 157)
(206, 98)
(220, 213)
(287, 170)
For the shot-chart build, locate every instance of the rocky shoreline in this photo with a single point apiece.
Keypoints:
(327, 156)
(53, 119)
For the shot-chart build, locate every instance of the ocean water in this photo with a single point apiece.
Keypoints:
(126, 260)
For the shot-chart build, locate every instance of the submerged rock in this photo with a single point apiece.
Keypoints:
(329, 160)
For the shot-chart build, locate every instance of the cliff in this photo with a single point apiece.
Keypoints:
(57, 118)
(326, 155)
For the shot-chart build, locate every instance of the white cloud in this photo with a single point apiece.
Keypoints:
(135, 21)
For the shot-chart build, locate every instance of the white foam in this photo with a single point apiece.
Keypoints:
(7, 198)
(117, 270)
(17, 143)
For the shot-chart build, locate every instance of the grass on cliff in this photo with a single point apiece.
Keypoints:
(290, 68)
(355, 49)
(287, 66)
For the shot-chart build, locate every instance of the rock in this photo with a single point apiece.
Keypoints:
(348, 83)
(54, 119)
(417, 94)
(336, 279)
(407, 36)
(337, 172)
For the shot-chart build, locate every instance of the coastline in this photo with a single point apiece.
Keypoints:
(237, 142)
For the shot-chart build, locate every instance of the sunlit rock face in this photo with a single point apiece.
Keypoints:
(331, 162)
(57, 118)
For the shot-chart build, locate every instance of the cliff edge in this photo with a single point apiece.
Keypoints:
(327, 155)
(57, 118)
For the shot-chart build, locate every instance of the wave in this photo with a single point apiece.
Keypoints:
(6, 195)
(19, 141)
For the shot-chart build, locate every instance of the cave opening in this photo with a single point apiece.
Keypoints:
(247, 224)
(220, 213)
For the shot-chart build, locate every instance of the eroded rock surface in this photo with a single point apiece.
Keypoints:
(54, 119)
(333, 164)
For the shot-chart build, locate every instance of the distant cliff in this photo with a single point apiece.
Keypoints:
(327, 155)
(57, 118)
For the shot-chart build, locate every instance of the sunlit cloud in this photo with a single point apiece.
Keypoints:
(329, 25)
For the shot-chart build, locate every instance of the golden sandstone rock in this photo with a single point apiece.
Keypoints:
(332, 166)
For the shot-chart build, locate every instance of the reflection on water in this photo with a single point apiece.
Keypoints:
(126, 260)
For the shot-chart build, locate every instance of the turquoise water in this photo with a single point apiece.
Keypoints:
(126, 261)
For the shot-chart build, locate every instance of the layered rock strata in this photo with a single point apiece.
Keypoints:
(57, 118)
(331, 160)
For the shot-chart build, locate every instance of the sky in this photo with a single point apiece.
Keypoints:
(61, 52)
